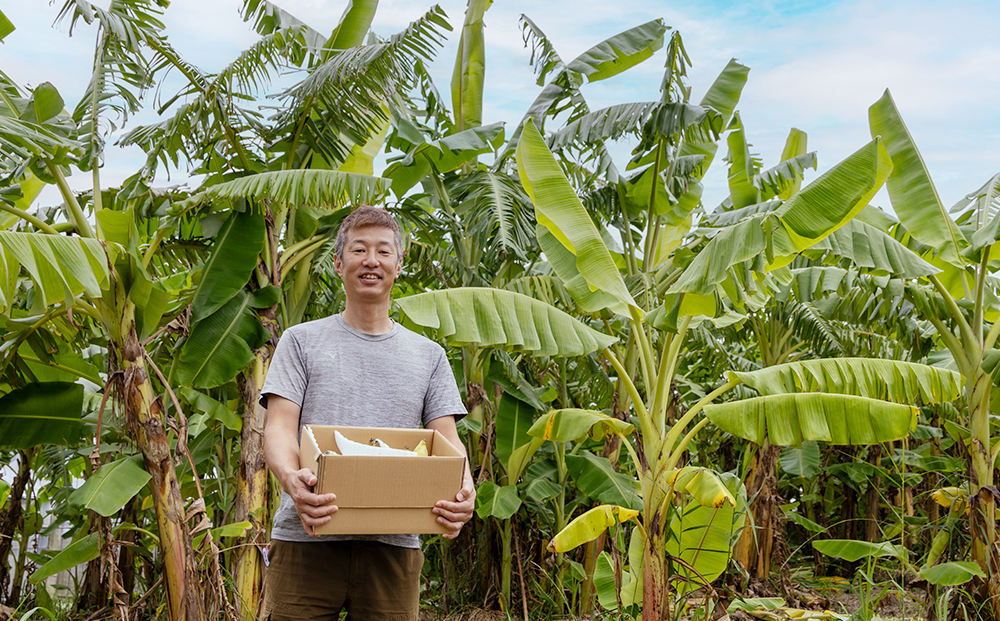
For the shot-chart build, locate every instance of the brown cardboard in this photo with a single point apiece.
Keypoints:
(383, 495)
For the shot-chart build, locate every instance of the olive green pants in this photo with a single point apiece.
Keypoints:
(308, 581)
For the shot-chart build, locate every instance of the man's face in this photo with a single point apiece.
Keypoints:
(370, 264)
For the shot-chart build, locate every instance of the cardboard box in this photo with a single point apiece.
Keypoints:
(383, 495)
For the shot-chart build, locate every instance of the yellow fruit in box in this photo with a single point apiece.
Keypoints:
(421, 449)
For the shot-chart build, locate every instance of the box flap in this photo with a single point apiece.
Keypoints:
(309, 451)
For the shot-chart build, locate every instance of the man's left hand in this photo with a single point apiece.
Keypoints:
(454, 515)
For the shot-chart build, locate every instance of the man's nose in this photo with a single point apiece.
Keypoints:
(371, 258)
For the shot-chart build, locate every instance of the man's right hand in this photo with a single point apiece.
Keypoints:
(313, 509)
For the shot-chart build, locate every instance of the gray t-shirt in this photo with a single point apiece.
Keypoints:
(339, 375)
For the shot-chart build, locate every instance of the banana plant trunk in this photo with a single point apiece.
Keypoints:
(655, 573)
(11, 520)
(252, 491)
(144, 417)
(982, 490)
(756, 544)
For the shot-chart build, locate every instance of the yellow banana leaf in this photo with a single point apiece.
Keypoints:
(589, 525)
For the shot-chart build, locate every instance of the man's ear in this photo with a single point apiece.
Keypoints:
(337, 266)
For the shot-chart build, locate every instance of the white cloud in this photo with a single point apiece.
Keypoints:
(816, 66)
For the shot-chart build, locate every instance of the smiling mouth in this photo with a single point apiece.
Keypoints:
(371, 277)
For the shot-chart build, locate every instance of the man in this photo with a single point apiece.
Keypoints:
(358, 368)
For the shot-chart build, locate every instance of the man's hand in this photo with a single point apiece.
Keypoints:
(313, 509)
(454, 515)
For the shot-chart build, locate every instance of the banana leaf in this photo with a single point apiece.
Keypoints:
(595, 477)
(76, 553)
(60, 266)
(569, 425)
(41, 413)
(587, 526)
(113, 485)
(497, 501)
(486, 316)
(513, 419)
(234, 256)
(914, 198)
(222, 344)
(790, 419)
(558, 208)
(303, 187)
(888, 380)
(852, 550)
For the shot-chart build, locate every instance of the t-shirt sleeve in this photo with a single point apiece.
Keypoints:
(286, 376)
(443, 398)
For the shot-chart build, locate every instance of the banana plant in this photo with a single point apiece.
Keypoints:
(960, 301)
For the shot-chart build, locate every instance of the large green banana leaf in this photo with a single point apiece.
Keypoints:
(558, 208)
(703, 536)
(234, 256)
(513, 419)
(889, 380)
(599, 62)
(113, 485)
(838, 195)
(790, 419)
(222, 344)
(873, 249)
(468, 79)
(304, 187)
(41, 413)
(571, 424)
(596, 478)
(953, 573)
(739, 243)
(914, 198)
(485, 316)
(59, 265)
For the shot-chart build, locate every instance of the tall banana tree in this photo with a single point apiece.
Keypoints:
(960, 301)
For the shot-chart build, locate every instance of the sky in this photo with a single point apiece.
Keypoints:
(815, 65)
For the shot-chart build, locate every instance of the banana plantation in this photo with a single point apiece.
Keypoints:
(780, 406)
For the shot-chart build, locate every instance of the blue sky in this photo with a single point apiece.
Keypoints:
(814, 65)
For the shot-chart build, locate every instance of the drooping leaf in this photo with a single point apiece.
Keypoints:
(558, 208)
(596, 478)
(41, 413)
(790, 419)
(707, 487)
(76, 553)
(952, 574)
(486, 316)
(888, 380)
(587, 526)
(868, 247)
(305, 187)
(571, 424)
(496, 501)
(55, 263)
(852, 550)
(222, 344)
(111, 487)
(234, 257)
(914, 198)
